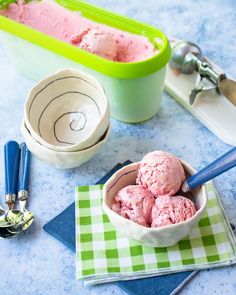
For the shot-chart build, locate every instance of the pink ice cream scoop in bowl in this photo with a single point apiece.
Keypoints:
(143, 212)
(158, 201)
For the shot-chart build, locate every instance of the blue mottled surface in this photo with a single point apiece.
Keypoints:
(34, 263)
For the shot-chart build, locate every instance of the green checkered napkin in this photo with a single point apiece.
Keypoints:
(104, 255)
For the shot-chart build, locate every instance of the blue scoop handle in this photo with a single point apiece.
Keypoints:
(11, 161)
(24, 168)
(219, 166)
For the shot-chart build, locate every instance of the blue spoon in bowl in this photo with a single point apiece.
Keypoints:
(217, 167)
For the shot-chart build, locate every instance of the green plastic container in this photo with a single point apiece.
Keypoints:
(134, 89)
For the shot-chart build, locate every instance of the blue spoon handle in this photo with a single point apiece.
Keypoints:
(23, 181)
(11, 160)
(219, 166)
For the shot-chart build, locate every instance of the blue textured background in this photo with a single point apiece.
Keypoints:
(34, 263)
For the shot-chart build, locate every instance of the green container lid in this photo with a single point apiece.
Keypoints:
(110, 68)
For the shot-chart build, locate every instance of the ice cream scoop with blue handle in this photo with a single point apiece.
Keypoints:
(219, 166)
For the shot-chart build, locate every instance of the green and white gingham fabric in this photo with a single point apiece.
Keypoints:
(104, 255)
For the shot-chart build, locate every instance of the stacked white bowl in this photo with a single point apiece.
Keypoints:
(66, 118)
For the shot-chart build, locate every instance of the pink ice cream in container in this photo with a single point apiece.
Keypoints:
(127, 57)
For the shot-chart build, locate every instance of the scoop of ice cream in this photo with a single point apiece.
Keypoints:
(134, 203)
(161, 173)
(171, 209)
(100, 43)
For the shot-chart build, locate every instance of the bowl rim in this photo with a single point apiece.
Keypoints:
(135, 165)
(25, 131)
(66, 71)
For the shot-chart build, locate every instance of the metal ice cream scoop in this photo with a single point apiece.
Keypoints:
(187, 58)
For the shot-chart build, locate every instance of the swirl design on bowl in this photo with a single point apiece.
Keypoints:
(76, 120)
(52, 82)
(66, 110)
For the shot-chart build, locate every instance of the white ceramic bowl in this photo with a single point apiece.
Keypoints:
(67, 111)
(155, 237)
(62, 160)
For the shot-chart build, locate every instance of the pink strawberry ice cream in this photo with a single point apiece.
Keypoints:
(108, 42)
(161, 173)
(152, 202)
(134, 203)
(100, 43)
(169, 210)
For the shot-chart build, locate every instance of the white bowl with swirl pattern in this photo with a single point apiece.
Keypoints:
(67, 111)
